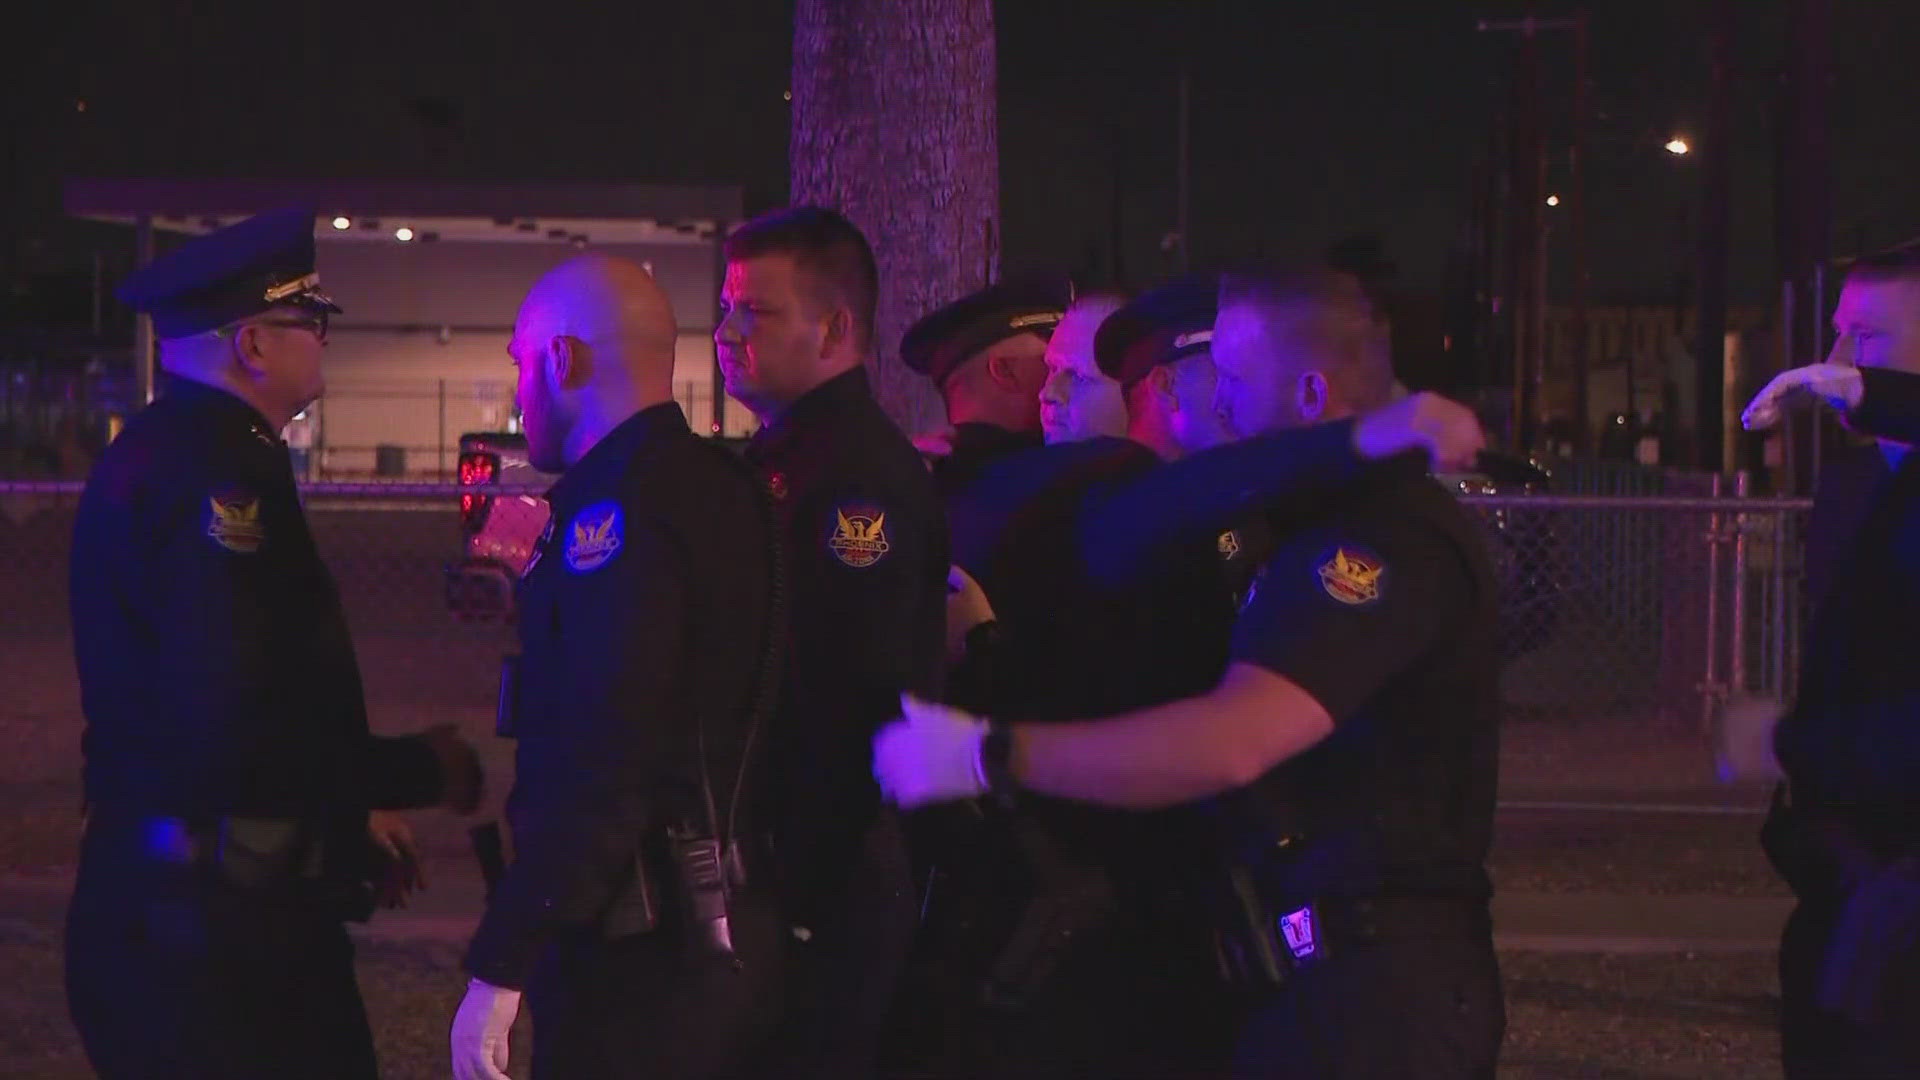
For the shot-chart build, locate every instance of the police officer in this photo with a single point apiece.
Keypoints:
(229, 768)
(867, 552)
(639, 692)
(1079, 401)
(985, 353)
(1842, 829)
(1158, 350)
(1354, 734)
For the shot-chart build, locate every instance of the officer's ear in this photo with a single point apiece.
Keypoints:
(837, 332)
(246, 350)
(566, 362)
(1159, 380)
(1312, 395)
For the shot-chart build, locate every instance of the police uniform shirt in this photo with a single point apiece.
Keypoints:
(868, 559)
(976, 522)
(216, 672)
(642, 616)
(1382, 609)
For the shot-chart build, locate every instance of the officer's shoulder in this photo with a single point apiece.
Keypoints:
(1414, 505)
(166, 445)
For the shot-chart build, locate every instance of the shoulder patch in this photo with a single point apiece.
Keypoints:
(233, 521)
(859, 536)
(1353, 575)
(593, 537)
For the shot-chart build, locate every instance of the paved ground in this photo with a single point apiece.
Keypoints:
(1635, 913)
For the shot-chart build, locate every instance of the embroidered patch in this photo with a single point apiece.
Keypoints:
(233, 521)
(593, 537)
(1229, 544)
(859, 536)
(1352, 575)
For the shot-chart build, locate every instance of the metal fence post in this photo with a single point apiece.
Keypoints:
(1710, 688)
(1782, 683)
(1737, 616)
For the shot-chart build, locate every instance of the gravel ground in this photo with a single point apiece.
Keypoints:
(1700, 1017)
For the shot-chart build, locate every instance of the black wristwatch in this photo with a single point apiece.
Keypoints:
(996, 761)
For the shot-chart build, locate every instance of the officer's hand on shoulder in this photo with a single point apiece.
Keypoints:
(967, 607)
(935, 444)
(1838, 386)
(1447, 431)
(462, 782)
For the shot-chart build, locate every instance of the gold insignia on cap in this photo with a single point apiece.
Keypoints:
(285, 289)
(1193, 337)
(1041, 318)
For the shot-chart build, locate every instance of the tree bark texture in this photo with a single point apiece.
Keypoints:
(894, 126)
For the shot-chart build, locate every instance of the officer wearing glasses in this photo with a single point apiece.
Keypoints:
(235, 795)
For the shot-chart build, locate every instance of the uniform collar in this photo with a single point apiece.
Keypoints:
(223, 403)
(814, 407)
(611, 455)
(978, 438)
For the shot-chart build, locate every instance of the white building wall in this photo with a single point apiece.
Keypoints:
(420, 355)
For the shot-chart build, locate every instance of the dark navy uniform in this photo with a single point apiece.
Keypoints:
(1844, 830)
(936, 346)
(1367, 852)
(867, 557)
(1164, 326)
(229, 768)
(644, 623)
(1060, 939)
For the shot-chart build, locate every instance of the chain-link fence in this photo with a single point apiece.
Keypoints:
(1657, 606)
(1641, 606)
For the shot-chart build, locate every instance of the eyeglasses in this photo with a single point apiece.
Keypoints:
(315, 323)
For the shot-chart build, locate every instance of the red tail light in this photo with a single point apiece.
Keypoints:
(476, 468)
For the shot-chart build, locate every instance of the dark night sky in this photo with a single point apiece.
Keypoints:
(1310, 120)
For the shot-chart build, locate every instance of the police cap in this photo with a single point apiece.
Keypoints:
(1157, 327)
(946, 338)
(210, 281)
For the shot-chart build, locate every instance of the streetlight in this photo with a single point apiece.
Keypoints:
(1678, 146)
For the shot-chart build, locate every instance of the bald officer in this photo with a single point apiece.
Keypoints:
(635, 914)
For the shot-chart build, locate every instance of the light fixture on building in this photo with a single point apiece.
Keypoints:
(403, 234)
(1553, 200)
(343, 223)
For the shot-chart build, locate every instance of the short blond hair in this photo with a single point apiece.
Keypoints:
(1326, 315)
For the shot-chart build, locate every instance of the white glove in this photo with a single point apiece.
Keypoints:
(1838, 385)
(1447, 430)
(931, 754)
(480, 1029)
(1743, 739)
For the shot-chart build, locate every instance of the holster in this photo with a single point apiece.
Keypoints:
(1070, 901)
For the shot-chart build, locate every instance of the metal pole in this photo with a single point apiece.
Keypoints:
(142, 324)
(1782, 531)
(716, 383)
(1577, 160)
(1710, 688)
(1710, 329)
(440, 445)
(1737, 631)
(1185, 135)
